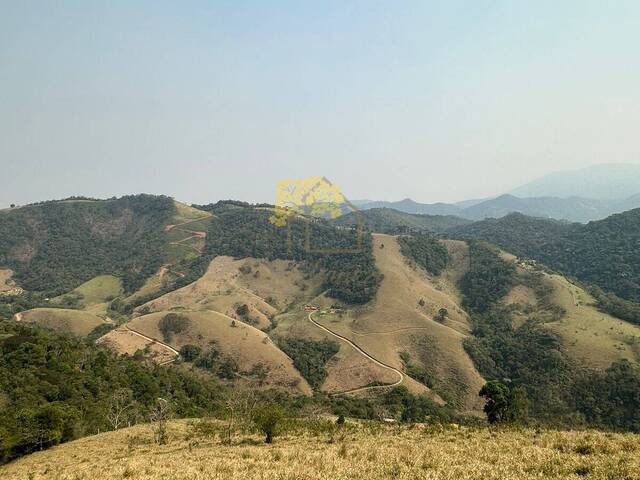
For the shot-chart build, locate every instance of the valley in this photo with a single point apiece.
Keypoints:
(430, 319)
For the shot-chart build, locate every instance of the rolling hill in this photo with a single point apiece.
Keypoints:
(313, 312)
(602, 253)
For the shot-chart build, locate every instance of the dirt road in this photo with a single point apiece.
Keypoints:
(365, 354)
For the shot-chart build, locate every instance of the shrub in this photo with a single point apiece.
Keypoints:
(269, 419)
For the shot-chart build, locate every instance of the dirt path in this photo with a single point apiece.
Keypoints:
(153, 340)
(170, 227)
(365, 354)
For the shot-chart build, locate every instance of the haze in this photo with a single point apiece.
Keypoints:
(437, 101)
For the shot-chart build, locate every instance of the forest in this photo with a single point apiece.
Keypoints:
(56, 246)
(602, 253)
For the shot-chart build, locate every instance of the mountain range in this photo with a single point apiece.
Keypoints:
(578, 196)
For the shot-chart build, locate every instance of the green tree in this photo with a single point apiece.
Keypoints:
(268, 419)
(504, 404)
(190, 352)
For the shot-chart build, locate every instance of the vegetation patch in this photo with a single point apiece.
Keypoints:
(309, 357)
(426, 251)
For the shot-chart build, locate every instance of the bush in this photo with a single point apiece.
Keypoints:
(269, 419)
(190, 352)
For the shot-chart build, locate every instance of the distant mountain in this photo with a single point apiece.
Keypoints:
(388, 220)
(603, 253)
(606, 181)
(409, 206)
(574, 209)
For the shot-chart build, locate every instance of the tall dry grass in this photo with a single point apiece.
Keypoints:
(359, 451)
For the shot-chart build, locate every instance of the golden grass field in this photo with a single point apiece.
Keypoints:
(593, 337)
(359, 452)
(62, 320)
(126, 342)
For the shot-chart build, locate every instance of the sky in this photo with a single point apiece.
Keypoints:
(208, 100)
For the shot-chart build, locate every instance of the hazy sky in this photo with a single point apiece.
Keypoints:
(203, 100)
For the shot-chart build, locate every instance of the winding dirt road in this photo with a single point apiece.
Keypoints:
(365, 354)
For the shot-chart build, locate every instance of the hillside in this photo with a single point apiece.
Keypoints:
(56, 246)
(359, 451)
(399, 324)
(602, 253)
(575, 209)
(388, 220)
(246, 345)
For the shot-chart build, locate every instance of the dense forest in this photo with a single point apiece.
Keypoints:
(55, 388)
(531, 356)
(426, 251)
(56, 246)
(602, 253)
(240, 232)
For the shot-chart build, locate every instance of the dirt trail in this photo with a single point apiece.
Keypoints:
(365, 354)
(170, 227)
(153, 340)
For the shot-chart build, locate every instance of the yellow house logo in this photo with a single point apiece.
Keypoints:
(309, 199)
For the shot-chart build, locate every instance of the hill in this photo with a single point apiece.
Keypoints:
(56, 246)
(575, 209)
(602, 253)
(249, 348)
(606, 181)
(398, 329)
(358, 451)
(388, 220)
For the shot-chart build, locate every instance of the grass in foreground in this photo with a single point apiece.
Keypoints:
(359, 452)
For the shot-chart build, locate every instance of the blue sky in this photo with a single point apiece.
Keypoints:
(438, 101)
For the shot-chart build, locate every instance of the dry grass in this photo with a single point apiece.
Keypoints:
(127, 342)
(6, 283)
(361, 453)
(62, 320)
(247, 345)
(591, 336)
(223, 287)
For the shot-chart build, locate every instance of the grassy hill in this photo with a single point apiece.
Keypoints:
(388, 220)
(357, 451)
(63, 320)
(247, 346)
(400, 321)
(602, 253)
